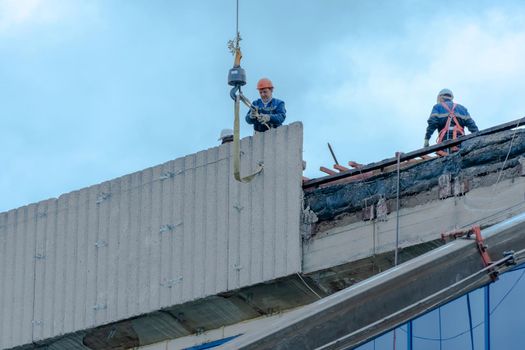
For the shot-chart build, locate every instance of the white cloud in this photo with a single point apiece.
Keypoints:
(22, 15)
(391, 83)
(483, 58)
(15, 13)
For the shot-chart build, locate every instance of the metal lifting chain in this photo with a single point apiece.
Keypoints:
(237, 78)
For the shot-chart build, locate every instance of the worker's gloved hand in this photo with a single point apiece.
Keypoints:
(264, 118)
(254, 114)
(426, 144)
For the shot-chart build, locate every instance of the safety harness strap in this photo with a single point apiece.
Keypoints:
(457, 127)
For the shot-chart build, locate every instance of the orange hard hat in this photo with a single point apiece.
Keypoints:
(264, 83)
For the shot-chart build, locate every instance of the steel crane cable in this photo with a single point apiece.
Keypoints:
(237, 78)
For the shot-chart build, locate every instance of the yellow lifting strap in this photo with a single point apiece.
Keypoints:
(237, 78)
(237, 148)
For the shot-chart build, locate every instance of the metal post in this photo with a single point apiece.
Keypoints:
(394, 339)
(440, 334)
(410, 334)
(487, 317)
(398, 155)
(470, 322)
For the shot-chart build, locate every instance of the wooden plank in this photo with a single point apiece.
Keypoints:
(355, 164)
(340, 167)
(328, 171)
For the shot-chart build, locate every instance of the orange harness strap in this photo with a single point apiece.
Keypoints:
(457, 127)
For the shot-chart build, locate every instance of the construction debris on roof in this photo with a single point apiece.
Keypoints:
(479, 162)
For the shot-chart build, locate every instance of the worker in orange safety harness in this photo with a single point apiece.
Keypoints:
(449, 118)
(269, 112)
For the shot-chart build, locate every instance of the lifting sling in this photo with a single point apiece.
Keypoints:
(237, 78)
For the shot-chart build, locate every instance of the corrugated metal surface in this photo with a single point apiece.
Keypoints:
(17, 250)
(176, 232)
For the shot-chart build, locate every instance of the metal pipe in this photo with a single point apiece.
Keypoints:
(333, 155)
(398, 156)
(487, 316)
(470, 322)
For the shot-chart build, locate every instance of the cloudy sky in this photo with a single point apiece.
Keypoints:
(94, 89)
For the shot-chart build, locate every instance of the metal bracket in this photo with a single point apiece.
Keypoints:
(369, 210)
(451, 235)
(382, 209)
(169, 227)
(521, 160)
(97, 307)
(482, 248)
(170, 174)
(101, 243)
(445, 187)
(484, 252)
(170, 283)
(167, 175)
(511, 257)
(460, 186)
(102, 197)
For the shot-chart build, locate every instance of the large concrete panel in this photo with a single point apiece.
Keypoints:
(163, 236)
(423, 223)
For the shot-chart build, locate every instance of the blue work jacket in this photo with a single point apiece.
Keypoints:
(274, 108)
(439, 115)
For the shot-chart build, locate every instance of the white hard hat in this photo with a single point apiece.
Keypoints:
(445, 92)
(225, 133)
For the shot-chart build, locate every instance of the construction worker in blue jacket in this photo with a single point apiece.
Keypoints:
(448, 118)
(269, 112)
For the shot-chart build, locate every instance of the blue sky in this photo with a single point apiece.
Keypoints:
(94, 89)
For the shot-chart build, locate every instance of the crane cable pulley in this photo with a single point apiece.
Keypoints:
(237, 78)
